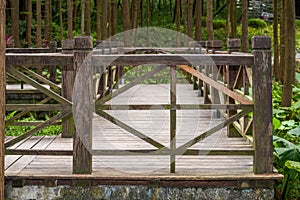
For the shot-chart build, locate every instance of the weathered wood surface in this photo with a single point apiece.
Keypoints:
(38, 59)
(171, 59)
(208, 159)
(262, 97)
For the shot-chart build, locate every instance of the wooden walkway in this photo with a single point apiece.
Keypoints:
(153, 123)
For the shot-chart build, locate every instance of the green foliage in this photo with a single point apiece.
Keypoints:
(297, 23)
(257, 23)
(19, 130)
(219, 24)
(286, 125)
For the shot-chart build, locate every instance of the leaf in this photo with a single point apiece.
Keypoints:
(293, 165)
(298, 77)
(286, 154)
(296, 106)
(295, 131)
(276, 123)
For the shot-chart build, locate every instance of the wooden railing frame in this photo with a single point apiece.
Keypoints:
(73, 55)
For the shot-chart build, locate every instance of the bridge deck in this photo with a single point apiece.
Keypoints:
(154, 124)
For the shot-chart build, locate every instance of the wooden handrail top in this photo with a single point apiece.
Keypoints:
(173, 59)
(39, 59)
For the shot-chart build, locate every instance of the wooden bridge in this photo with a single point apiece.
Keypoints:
(215, 127)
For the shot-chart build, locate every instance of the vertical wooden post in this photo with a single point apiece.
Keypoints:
(215, 45)
(262, 98)
(52, 69)
(82, 157)
(2, 93)
(68, 78)
(172, 117)
(233, 45)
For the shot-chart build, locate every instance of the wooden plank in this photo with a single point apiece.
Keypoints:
(37, 107)
(131, 130)
(177, 107)
(172, 59)
(129, 85)
(38, 59)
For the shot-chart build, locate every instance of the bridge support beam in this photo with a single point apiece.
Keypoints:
(262, 98)
(82, 157)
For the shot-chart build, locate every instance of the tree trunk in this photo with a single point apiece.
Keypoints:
(290, 35)
(245, 25)
(282, 42)
(275, 38)
(61, 29)
(148, 21)
(126, 21)
(114, 17)
(233, 21)
(15, 22)
(47, 22)
(228, 23)
(177, 19)
(190, 19)
(70, 20)
(29, 22)
(82, 17)
(87, 17)
(75, 17)
(135, 13)
(98, 19)
(2, 92)
(209, 20)
(38, 23)
(198, 13)
(104, 17)
(142, 13)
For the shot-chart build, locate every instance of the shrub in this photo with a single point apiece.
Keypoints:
(218, 24)
(257, 23)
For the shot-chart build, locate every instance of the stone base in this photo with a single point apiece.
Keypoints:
(101, 192)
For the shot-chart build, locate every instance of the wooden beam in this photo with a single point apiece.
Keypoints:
(216, 85)
(39, 152)
(37, 107)
(262, 97)
(37, 128)
(39, 59)
(212, 130)
(172, 59)
(130, 130)
(177, 106)
(2, 92)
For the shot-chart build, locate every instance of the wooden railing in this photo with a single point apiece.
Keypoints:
(215, 83)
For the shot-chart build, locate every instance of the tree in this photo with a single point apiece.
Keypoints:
(61, 29)
(290, 41)
(38, 23)
(198, 21)
(15, 21)
(282, 41)
(29, 22)
(114, 17)
(126, 21)
(87, 17)
(209, 19)
(47, 34)
(233, 21)
(245, 25)
(177, 19)
(276, 41)
(70, 16)
(228, 24)
(2, 92)
(104, 17)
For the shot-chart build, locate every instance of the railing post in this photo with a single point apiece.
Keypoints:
(214, 45)
(233, 45)
(82, 157)
(68, 78)
(52, 69)
(262, 98)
